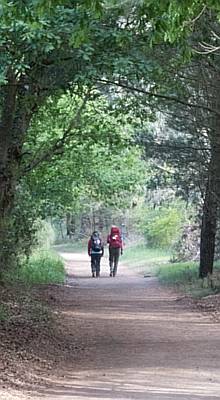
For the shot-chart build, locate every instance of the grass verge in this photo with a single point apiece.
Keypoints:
(185, 276)
(77, 247)
(42, 268)
(144, 259)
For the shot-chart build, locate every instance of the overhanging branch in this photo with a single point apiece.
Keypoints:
(59, 144)
(159, 96)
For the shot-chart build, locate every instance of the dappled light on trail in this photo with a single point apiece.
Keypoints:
(141, 341)
(139, 384)
(125, 338)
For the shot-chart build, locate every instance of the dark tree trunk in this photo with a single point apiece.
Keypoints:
(6, 180)
(6, 127)
(212, 195)
(15, 118)
(208, 230)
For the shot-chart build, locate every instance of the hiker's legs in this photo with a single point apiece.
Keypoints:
(98, 259)
(93, 264)
(116, 259)
(111, 260)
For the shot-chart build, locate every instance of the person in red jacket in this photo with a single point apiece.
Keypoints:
(115, 249)
(95, 251)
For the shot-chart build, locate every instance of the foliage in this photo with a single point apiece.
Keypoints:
(161, 225)
(111, 173)
(167, 20)
(21, 231)
(98, 162)
(45, 235)
(27, 230)
(177, 153)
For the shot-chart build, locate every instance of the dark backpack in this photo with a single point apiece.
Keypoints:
(96, 243)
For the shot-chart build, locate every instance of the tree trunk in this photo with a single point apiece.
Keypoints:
(208, 229)
(6, 126)
(212, 195)
(15, 119)
(6, 191)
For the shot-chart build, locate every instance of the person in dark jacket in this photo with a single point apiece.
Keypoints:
(115, 249)
(95, 251)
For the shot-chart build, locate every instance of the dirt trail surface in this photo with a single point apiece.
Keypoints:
(130, 339)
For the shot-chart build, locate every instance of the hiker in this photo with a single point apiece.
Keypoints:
(115, 249)
(95, 251)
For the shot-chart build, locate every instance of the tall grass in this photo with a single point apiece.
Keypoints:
(178, 273)
(42, 268)
(185, 276)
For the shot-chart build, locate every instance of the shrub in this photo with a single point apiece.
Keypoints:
(45, 235)
(161, 226)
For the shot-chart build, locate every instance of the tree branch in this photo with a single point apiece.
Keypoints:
(59, 144)
(159, 96)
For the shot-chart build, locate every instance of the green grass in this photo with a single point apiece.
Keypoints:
(42, 268)
(77, 247)
(144, 259)
(175, 273)
(185, 276)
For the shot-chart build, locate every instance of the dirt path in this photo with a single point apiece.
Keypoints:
(133, 340)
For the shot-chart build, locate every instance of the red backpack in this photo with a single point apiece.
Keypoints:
(115, 238)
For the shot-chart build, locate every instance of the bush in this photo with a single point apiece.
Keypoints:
(45, 235)
(161, 226)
